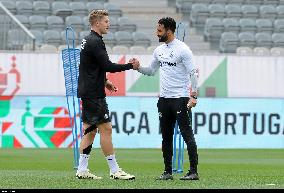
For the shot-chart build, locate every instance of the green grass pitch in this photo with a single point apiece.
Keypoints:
(218, 169)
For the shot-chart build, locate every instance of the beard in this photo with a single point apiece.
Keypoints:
(163, 38)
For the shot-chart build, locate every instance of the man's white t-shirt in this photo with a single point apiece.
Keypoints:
(177, 69)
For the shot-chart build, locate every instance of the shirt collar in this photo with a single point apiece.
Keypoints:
(171, 43)
(95, 33)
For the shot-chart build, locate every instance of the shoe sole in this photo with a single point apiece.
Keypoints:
(82, 178)
(189, 178)
(117, 178)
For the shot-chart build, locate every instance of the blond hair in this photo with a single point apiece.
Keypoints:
(97, 15)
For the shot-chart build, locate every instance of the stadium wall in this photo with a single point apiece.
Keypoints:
(241, 103)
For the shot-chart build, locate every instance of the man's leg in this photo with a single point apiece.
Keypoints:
(185, 126)
(85, 150)
(107, 148)
(167, 122)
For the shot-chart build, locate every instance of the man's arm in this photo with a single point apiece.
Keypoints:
(193, 76)
(151, 69)
(108, 66)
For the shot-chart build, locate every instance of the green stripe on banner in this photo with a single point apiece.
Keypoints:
(4, 108)
(8, 141)
(29, 137)
(45, 136)
(146, 84)
(41, 122)
(216, 83)
(47, 110)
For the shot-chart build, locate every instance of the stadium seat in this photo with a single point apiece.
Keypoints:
(267, 12)
(264, 25)
(78, 8)
(228, 42)
(199, 14)
(244, 51)
(70, 37)
(281, 2)
(38, 35)
(55, 23)
(24, 19)
(75, 22)
(223, 2)
(140, 39)
(85, 21)
(247, 25)
(280, 11)
(270, 2)
(16, 39)
(236, 2)
(231, 25)
(113, 10)
(278, 40)
(83, 34)
(61, 9)
(24, 8)
(126, 25)
(253, 2)
(279, 26)
(41, 8)
(114, 27)
(109, 39)
(120, 49)
(246, 39)
(216, 11)
(38, 22)
(261, 51)
(263, 39)
(10, 5)
(185, 8)
(94, 5)
(47, 48)
(213, 29)
(124, 38)
(276, 51)
(29, 47)
(249, 11)
(233, 11)
(207, 2)
(52, 37)
(137, 50)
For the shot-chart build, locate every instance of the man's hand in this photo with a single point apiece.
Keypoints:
(109, 85)
(135, 63)
(192, 101)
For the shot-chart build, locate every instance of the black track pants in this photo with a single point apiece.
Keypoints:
(172, 110)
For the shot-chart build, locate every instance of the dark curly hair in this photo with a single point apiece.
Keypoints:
(169, 23)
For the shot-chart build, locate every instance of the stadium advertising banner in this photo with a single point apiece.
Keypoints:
(43, 122)
(219, 76)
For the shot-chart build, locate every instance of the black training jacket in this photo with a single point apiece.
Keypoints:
(94, 63)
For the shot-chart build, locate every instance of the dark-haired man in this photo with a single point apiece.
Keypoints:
(177, 71)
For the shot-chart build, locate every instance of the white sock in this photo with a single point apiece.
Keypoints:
(83, 162)
(112, 164)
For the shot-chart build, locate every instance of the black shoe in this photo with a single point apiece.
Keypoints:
(165, 176)
(190, 176)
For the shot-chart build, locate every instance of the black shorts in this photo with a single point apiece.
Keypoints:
(95, 111)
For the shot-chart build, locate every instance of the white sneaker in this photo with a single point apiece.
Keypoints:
(120, 174)
(86, 175)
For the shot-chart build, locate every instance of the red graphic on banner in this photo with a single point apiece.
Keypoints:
(5, 126)
(118, 79)
(17, 143)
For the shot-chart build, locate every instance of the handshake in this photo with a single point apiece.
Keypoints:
(135, 63)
